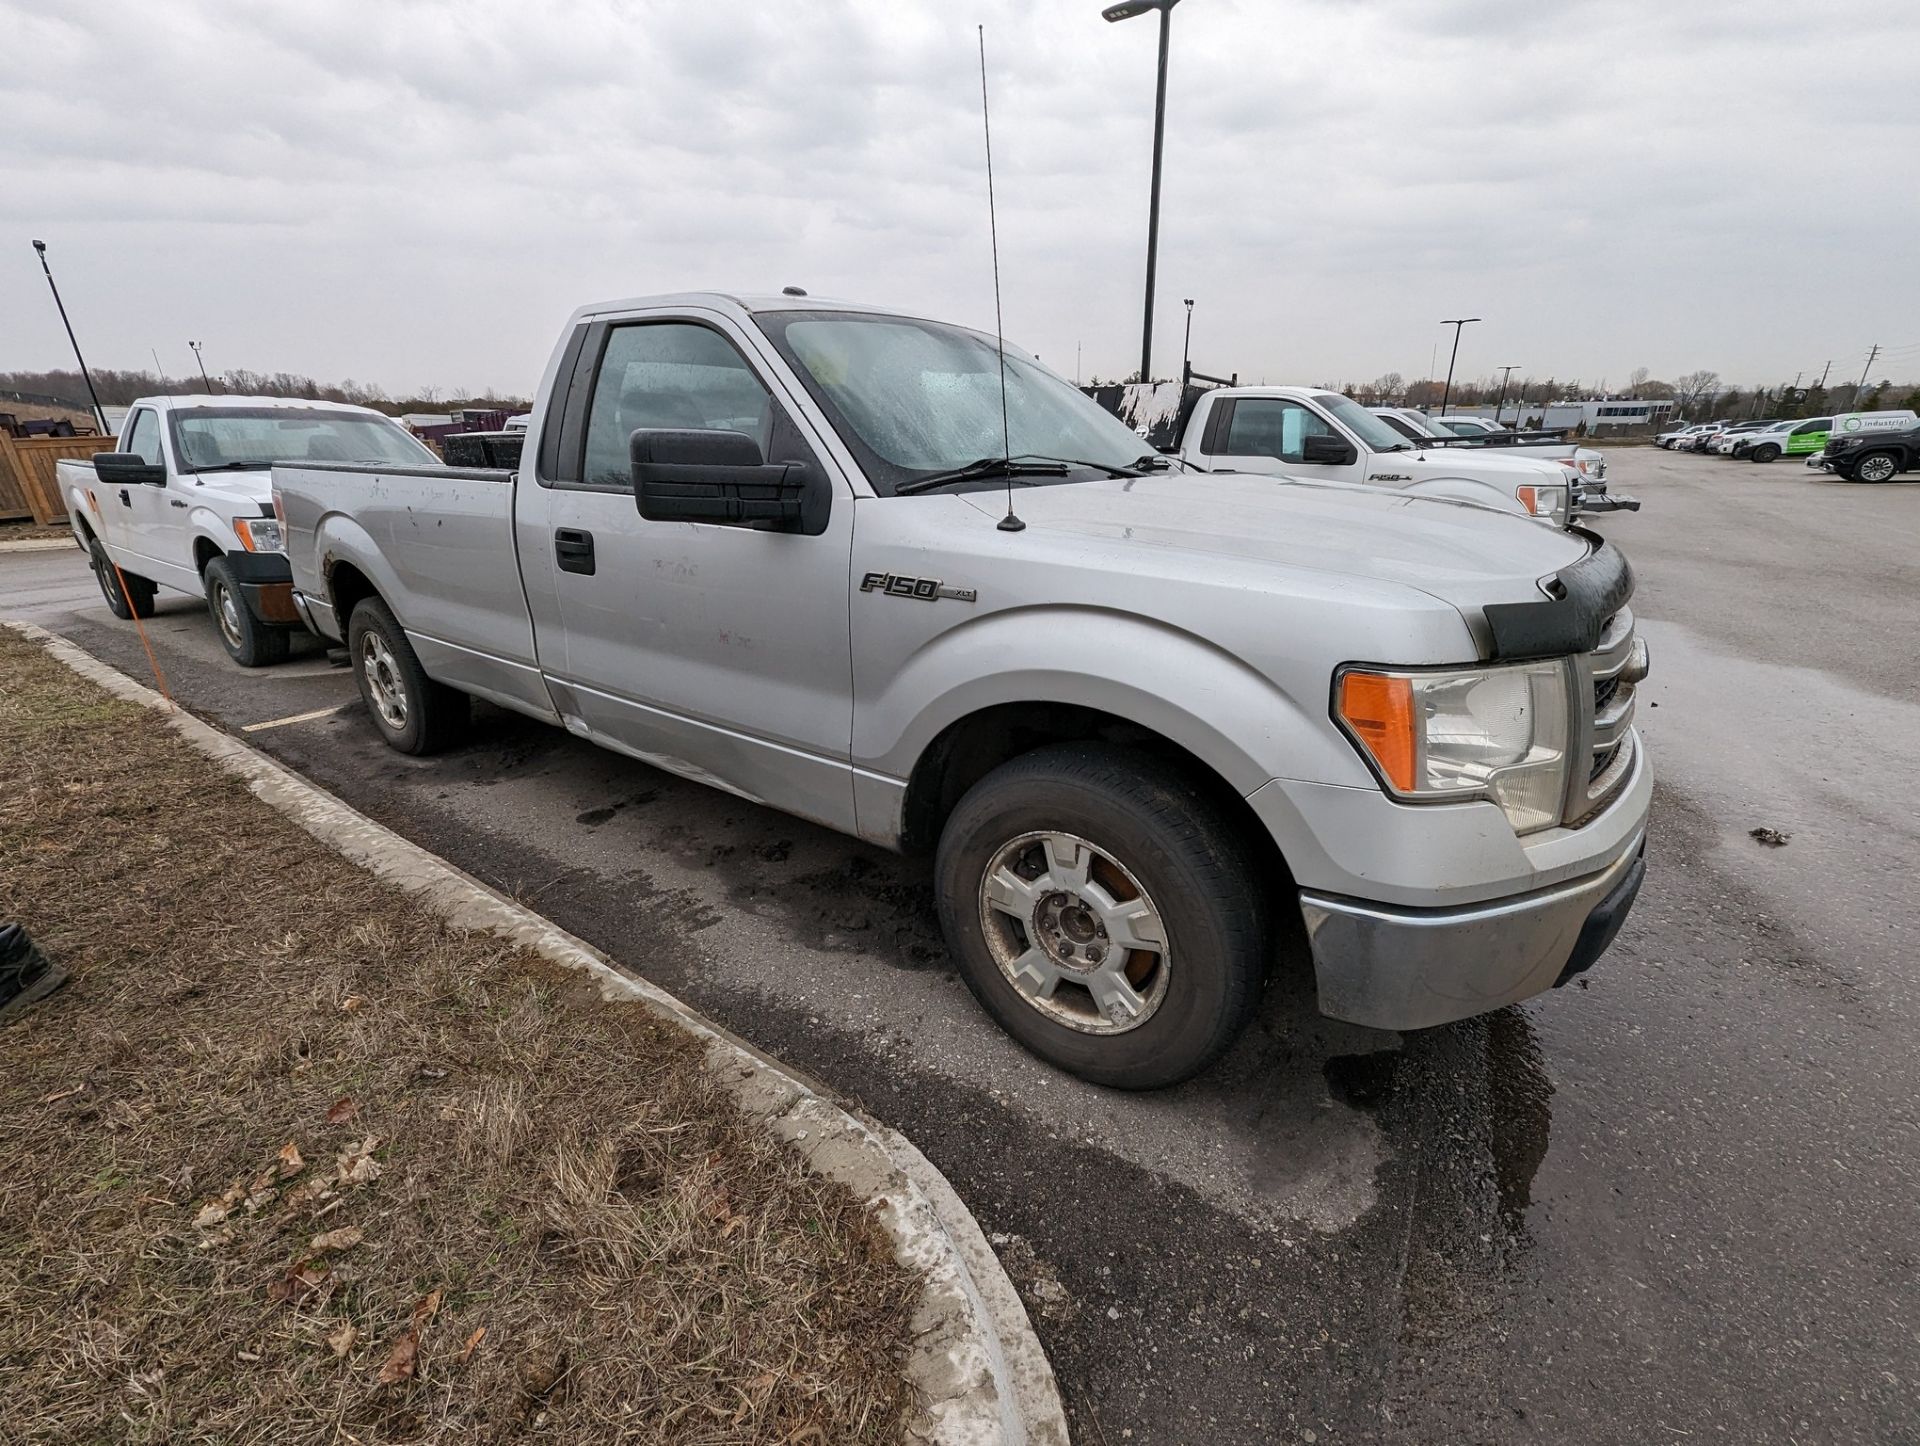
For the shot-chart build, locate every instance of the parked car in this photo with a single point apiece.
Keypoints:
(1678, 437)
(186, 504)
(1153, 724)
(1589, 492)
(1870, 456)
(1800, 439)
(1721, 442)
(1587, 461)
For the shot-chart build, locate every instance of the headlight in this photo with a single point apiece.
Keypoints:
(1543, 499)
(1498, 733)
(260, 534)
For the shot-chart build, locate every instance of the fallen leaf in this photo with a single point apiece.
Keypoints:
(310, 1189)
(473, 1343)
(59, 1095)
(401, 1360)
(210, 1215)
(260, 1199)
(290, 1162)
(341, 1341)
(542, 1369)
(253, 1356)
(425, 1309)
(302, 1280)
(343, 1109)
(356, 1163)
(351, 1003)
(344, 1238)
(1773, 838)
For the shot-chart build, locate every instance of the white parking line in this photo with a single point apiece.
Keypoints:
(295, 718)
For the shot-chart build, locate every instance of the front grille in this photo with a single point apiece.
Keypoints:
(1610, 672)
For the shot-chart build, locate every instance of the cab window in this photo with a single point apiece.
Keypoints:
(1818, 424)
(668, 374)
(143, 437)
(1272, 427)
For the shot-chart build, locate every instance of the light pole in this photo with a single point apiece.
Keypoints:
(40, 249)
(1186, 347)
(1126, 11)
(1506, 373)
(203, 365)
(1456, 324)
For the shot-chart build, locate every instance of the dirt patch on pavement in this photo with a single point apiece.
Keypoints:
(288, 1160)
(35, 532)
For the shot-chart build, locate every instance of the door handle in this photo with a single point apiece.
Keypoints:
(573, 550)
(125, 501)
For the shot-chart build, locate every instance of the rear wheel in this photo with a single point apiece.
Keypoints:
(248, 641)
(1768, 453)
(128, 594)
(413, 713)
(1105, 912)
(1876, 467)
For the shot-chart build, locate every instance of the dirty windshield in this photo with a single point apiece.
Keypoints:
(916, 398)
(213, 439)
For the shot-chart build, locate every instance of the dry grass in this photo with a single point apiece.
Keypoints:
(283, 1136)
(35, 532)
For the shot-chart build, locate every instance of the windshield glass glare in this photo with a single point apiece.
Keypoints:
(912, 398)
(1362, 423)
(207, 438)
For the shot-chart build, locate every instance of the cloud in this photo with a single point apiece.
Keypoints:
(419, 193)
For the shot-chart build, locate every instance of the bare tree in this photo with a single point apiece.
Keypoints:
(1695, 387)
(1637, 380)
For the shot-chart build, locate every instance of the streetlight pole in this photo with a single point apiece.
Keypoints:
(1456, 324)
(1126, 11)
(1186, 346)
(100, 416)
(1506, 374)
(203, 365)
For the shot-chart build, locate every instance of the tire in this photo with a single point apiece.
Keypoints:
(248, 641)
(1876, 467)
(413, 713)
(128, 595)
(1768, 453)
(1155, 857)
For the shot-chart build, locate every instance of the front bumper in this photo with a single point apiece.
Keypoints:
(266, 586)
(1403, 968)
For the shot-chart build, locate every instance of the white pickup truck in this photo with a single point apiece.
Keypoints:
(186, 504)
(1160, 728)
(1310, 432)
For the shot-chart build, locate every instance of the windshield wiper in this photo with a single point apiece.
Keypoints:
(978, 469)
(234, 467)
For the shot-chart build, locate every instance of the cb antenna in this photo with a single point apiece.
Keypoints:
(1009, 523)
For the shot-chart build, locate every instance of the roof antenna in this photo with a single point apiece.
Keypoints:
(1009, 523)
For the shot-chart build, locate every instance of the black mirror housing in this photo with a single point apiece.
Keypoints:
(698, 475)
(1326, 451)
(121, 469)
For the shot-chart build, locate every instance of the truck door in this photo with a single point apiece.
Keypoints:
(1809, 437)
(718, 652)
(128, 510)
(1270, 435)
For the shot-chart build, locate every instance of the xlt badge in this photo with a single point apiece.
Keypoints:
(927, 589)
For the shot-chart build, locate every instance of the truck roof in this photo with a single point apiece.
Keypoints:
(229, 399)
(747, 301)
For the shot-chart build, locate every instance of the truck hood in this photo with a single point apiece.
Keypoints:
(237, 494)
(1464, 554)
(1468, 462)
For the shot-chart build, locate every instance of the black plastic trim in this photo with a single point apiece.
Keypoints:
(259, 567)
(1572, 617)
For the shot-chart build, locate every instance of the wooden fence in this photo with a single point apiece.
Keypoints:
(28, 485)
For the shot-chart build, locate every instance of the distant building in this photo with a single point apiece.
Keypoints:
(1598, 414)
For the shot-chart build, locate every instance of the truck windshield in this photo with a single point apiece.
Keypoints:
(917, 398)
(215, 439)
(1362, 423)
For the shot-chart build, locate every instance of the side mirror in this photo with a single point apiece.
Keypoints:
(1326, 451)
(119, 469)
(720, 477)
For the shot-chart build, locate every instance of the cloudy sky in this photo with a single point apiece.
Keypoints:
(416, 192)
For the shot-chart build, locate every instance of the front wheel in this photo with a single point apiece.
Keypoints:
(128, 595)
(1768, 453)
(1876, 467)
(1105, 912)
(248, 641)
(413, 713)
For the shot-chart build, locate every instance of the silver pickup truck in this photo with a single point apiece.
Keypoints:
(1160, 728)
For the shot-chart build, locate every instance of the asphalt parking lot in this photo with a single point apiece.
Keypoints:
(1675, 1201)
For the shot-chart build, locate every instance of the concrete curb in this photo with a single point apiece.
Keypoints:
(39, 544)
(982, 1375)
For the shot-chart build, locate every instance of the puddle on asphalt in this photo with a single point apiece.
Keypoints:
(1520, 1112)
(1364, 1081)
